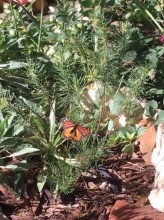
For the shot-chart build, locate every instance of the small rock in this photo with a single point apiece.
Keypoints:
(91, 185)
(103, 185)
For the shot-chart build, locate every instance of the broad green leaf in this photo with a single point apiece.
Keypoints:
(126, 130)
(129, 149)
(129, 56)
(140, 131)
(110, 125)
(116, 104)
(130, 129)
(96, 114)
(120, 134)
(150, 108)
(109, 3)
(61, 18)
(130, 136)
(160, 118)
(86, 3)
(160, 51)
(153, 104)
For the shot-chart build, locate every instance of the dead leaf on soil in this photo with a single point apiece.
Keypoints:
(123, 210)
(3, 190)
(147, 139)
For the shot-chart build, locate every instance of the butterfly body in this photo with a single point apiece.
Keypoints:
(73, 131)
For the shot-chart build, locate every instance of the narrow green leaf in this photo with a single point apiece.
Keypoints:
(144, 7)
(33, 106)
(10, 119)
(13, 65)
(52, 120)
(3, 126)
(39, 124)
(15, 82)
(27, 150)
(41, 180)
(30, 15)
(18, 166)
(18, 128)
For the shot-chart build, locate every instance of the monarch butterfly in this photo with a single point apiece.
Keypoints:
(73, 131)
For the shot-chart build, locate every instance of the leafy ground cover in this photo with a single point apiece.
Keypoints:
(99, 64)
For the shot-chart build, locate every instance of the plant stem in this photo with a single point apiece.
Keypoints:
(15, 23)
(143, 7)
(154, 20)
(41, 24)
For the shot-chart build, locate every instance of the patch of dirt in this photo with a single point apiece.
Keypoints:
(96, 192)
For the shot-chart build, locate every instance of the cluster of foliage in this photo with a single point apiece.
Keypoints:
(47, 64)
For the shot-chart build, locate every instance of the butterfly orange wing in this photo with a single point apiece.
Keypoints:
(76, 135)
(79, 132)
(83, 130)
(67, 133)
(74, 132)
(67, 123)
(68, 127)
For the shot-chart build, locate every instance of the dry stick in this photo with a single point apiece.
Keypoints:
(135, 165)
(133, 177)
(134, 190)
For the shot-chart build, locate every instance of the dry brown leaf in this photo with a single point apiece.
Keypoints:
(123, 210)
(3, 190)
(147, 139)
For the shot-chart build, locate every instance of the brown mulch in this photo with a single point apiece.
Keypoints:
(93, 197)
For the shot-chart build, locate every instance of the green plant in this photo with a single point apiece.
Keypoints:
(153, 10)
(126, 137)
(48, 64)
